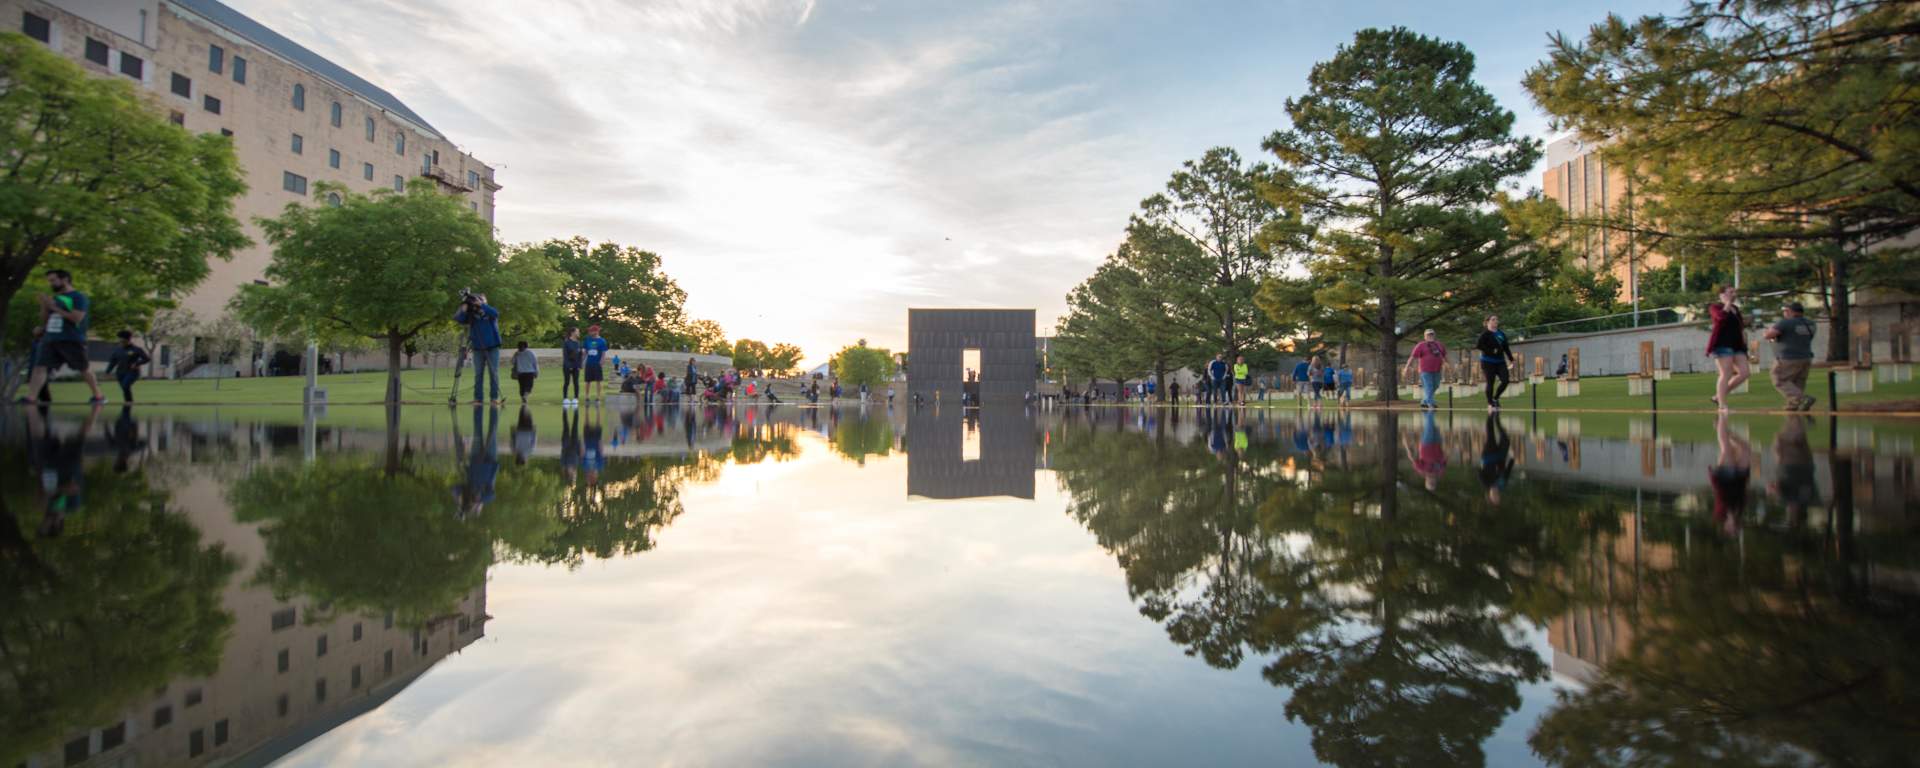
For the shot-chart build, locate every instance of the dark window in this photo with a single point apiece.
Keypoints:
(369, 129)
(220, 733)
(193, 698)
(333, 199)
(299, 97)
(113, 736)
(216, 59)
(466, 622)
(356, 677)
(320, 646)
(400, 144)
(284, 618)
(333, 158)
(386, 663)
(389, 620)
(196, 743)
(210, 104)
(285, 661)
(240, 70)
(177, 118)
(320, 689)
(132, 66)
(399, 183)
(299, 145)
(426, 164)
(282, 705)
(77, 751)
(226, 132)
(293, 182)
(182, 86)
(356, 631)
(366, 171)
(36, 27)
(334, 114)
(162, 716)
(473, 179)
(96, 52)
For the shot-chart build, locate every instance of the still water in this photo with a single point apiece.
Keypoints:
(1071, 586)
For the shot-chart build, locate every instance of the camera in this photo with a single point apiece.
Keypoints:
(468, 298)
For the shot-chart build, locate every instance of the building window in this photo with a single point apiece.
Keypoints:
(193, 698)
(216, 59)
(299, 145)
(333, 158)
(132, 66)
(369, 129)
(333, 114)
(299, 97)
(320, 689)
(356, 677)
(293, 182)
(426, 164)
(284, 618)
(162, 716)
(177, 118)
(366, 171)
(240, 70)
(210, 104)
(36, 27)
(475, 207)
(220, 733)
(356, 631)
(400, 144)
(113, 736)
(333, 200)
(196, 743)
(386, 663)
(182, 86)
(227, 132)
(399, 183)
(96, 52)
(389, 620)
(320, 646)
(282, 705)
(77, 751)
(285, 660)
(473, 179)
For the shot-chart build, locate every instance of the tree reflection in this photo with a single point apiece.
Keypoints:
(860, 434)
(122, 601)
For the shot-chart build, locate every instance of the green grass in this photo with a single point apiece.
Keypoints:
(422, 386)
(1682, 393)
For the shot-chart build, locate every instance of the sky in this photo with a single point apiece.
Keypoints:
(810, 169)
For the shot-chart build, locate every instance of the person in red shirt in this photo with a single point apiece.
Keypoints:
(1727, 344)
(1431, 356)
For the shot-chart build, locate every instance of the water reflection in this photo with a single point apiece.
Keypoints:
(970, 453)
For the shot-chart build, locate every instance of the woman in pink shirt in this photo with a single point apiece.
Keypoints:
(1431, 356)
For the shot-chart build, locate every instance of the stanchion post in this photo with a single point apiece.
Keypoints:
(1653, 392)
(1833, 391)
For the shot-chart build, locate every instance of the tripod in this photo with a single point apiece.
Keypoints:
(459, 364)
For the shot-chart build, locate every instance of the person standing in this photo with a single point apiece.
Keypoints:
(1217, 375)
(1495, 357)
(483, 337)
(125, 365)
(1431, 357)
(1727, 344)
(525, 369)
(1330, 381)
(693, 378)
(64, 316)
(1242, 379)
(595, 348)
(572, 356)
(1301, 384)
(1792, 339)
(1173, 392)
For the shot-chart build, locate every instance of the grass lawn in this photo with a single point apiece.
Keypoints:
(423, 386)
(1684, 392)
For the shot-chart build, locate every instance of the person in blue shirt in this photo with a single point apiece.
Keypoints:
(1217, 379)
(1330, 380)
(64, 316)
(1346, 384)
(1300, 383)
(483, 336)
(596, 350)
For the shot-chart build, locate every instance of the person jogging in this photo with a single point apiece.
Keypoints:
(64, 316)
(1727, 344)
(1242, 379)
(1217, 378)
(1431, 357)
(129, 358)
(483, 337)
(1495, 357)
(1792, 339)
(526, 368)
(572, 357)
(595, 349)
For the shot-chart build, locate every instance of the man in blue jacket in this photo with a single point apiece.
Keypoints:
(483, 336)
(1217, 373)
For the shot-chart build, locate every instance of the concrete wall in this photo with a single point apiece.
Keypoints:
(936, 339)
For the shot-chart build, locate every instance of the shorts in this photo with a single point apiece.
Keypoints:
(1727, 352)
(1244, 382)
(595, 373)
(53, 354)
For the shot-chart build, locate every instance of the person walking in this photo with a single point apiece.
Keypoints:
(1727, 344)
(572, 357)
(594, 349)
(64, 316)
(1315, 375)
(1431, 357)
(1792, 339)
(525, 369)
(126, 362)
(483, 337)
(1300, 381)
(1346, 384)
(1330, 381)
(1495, 357)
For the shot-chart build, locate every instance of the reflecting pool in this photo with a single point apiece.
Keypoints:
(1081, 586)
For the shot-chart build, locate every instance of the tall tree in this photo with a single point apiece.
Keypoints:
(1758, 128)
(862, 365)
(387, 267)
(783, 358)
(1395, 156)
(1214, 204)
(748, 353)
(620, 288)
(702, 336)
(96, 181)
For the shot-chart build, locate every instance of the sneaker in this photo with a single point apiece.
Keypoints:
(1806, 403)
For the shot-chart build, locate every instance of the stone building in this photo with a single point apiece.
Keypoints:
(296, 118)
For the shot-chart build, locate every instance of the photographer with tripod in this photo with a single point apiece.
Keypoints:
(483, 337)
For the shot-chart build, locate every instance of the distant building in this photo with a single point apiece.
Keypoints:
(296, 118)
(1582, 182)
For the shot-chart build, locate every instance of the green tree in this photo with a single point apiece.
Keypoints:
(783, 358)
(1395, 156)
(387, 267)
(1213, 205)
(620, 288)
(860, 365)
(750, 354)
(96, 181)
(1757, 128)
(703, 336)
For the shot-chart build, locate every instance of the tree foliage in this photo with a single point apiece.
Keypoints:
(1395, 157)
(1125, 320)
(620, 288)
(703, 336)
(861, 365)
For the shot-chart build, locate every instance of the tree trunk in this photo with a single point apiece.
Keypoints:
(1160, 379)
(1389, 353)
(1840, 329)
(394, 353)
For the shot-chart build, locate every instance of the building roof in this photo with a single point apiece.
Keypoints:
(258, 34)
